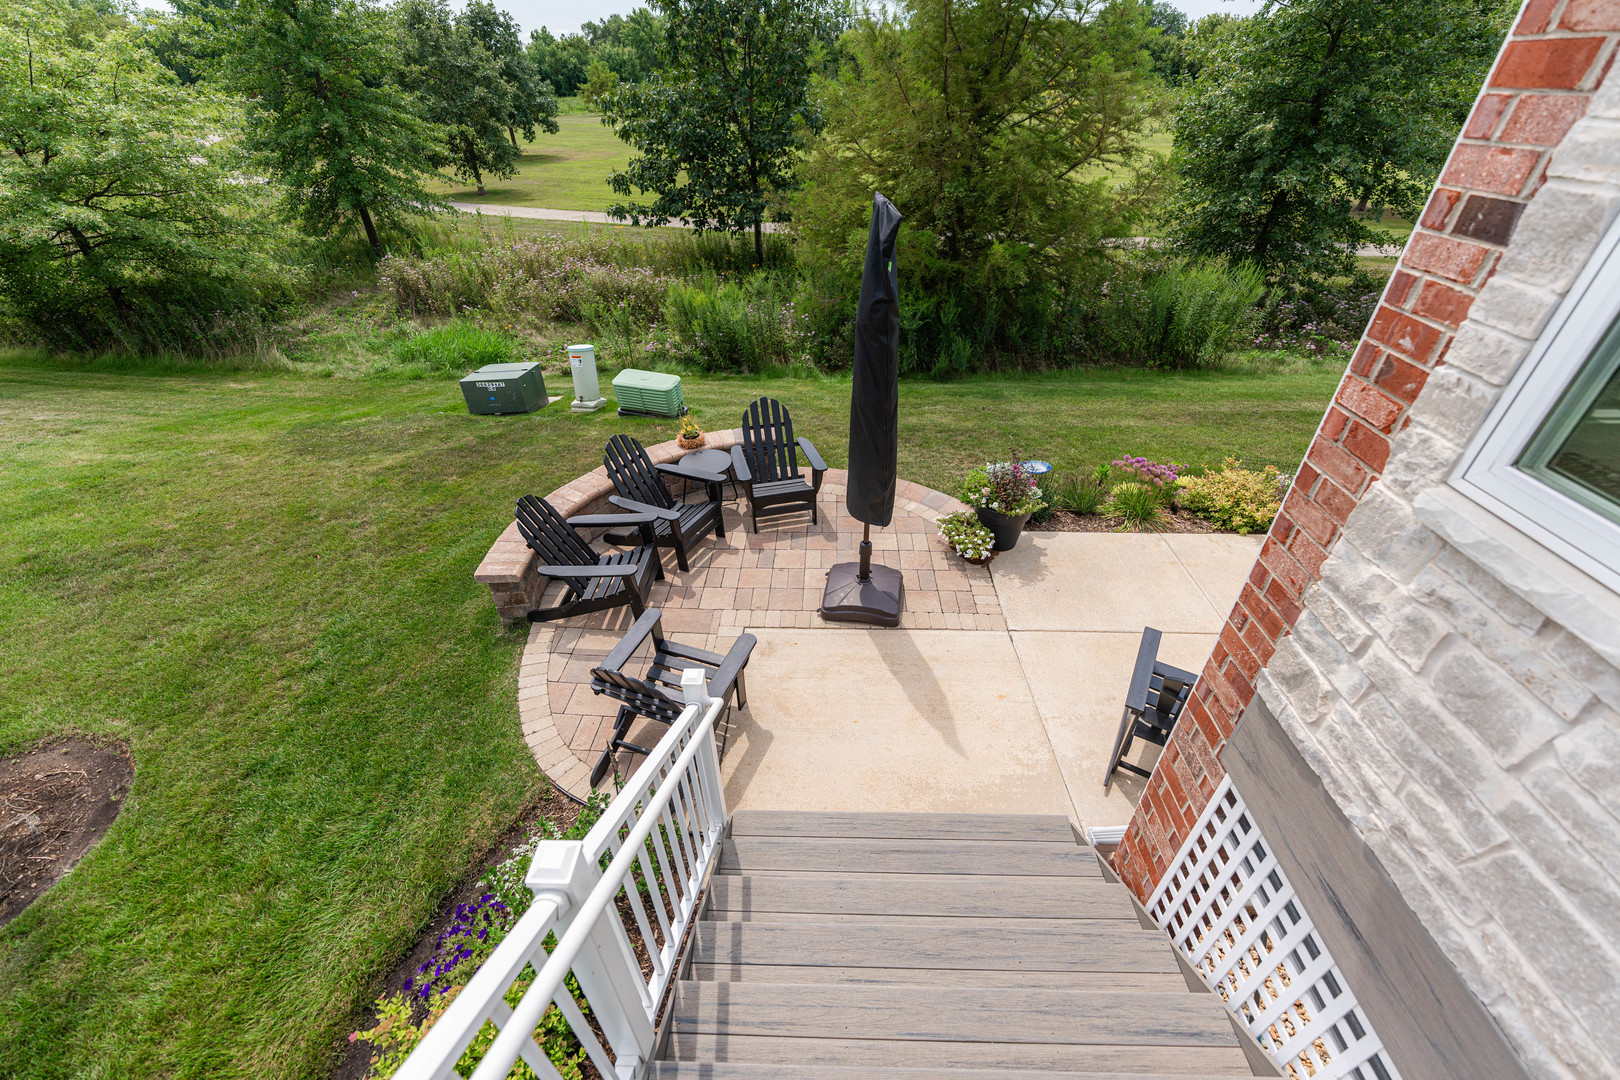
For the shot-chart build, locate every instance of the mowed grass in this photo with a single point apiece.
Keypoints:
(263, 582)
(565, 171)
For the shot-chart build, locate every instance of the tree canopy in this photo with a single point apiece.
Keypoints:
(1311, 107)
(719, 129)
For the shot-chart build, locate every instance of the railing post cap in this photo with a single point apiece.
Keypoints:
(557, 868)
(695, 686)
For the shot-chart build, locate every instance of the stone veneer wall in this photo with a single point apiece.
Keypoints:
(1455, 687)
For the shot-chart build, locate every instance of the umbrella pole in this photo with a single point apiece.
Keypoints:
(866, 555)
(861, 592)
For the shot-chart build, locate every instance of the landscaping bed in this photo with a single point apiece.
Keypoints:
(1175, 521)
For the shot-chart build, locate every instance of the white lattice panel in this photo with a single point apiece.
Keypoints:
(1233, 915)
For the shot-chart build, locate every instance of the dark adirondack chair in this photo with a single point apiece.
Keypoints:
(657, 693)
(1152, 706)
(642, 490)
(594, 582)
(766, 462)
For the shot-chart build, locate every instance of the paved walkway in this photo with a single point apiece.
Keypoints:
(1001, 692)
(596, 217)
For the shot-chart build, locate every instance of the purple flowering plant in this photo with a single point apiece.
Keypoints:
(1003, 486)
(1150, 472)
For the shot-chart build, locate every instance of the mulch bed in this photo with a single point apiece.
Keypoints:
(1178, 521)
(55, 802)
(555, 807)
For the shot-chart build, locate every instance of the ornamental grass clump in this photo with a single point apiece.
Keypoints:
(967, 537)
(1080, 494)
(1235, 498)
(1003, 486)
(1139, 505)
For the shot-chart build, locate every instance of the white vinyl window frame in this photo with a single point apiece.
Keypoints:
(1488, 474)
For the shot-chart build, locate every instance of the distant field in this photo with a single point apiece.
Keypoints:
(565, 171)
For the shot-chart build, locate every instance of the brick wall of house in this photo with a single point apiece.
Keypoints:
(1469, 735)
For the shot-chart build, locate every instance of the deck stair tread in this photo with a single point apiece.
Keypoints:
(959, 946)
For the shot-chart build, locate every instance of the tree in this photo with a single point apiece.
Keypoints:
(1311, 107)
(990, 124)
(600, 83)
(120, 189)
(560, 61)
(719, 129)
(1168, 47)
(459, 84)
(342, 139)
(532, 102)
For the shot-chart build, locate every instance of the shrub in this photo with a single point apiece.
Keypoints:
(732, 326)
(1140, 505)
(1080, 494)
(1176, 314)
(966, 534)
(456, 348)
(1003, 486)
(1235, 498)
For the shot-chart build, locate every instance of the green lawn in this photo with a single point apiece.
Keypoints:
(565, 171)
(264, 583)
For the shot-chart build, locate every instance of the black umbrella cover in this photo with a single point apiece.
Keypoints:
(874, 402)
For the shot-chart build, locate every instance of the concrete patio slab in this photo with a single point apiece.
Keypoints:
(918, 720)
(1078, 681)
(1120, 582)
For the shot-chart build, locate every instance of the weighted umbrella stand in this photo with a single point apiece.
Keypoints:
(861, 592)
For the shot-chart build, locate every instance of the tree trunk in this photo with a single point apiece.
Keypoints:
(478, 176)
(88, 253)
(371, 232)
(759, 243)
(511, 133)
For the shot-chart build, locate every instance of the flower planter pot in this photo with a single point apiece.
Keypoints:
(983, 560)
(1005, 527)
(690, 444)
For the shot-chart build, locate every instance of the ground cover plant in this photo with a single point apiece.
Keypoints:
(263, 583)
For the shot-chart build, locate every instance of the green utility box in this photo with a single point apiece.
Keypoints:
(504, 388)
(648, 393)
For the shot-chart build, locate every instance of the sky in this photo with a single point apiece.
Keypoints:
(565, 16)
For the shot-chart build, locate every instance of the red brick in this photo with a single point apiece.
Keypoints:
(1368, 445)
(1334, 501)
(1244, 688)
(1482, 121)
(1400, 378)
(1311, 520)
(1241, 656)
(1591, 15)
(1310, 554)
(1443, 304)
(1335, 463)
(1377, 409)
(1284, 568)
(1501, 169)
(1550, 64)
(1333, 423)
(1439, 207)
(1287, 606)
(1454, 259)
(1258, 575)
(1365, 358)
(1224, 690)
(1544, 118)
(1536, 14)
(1400, 287)
(1306, 476)
(1262, 613)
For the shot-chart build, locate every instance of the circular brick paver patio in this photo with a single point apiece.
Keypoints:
(770, 579)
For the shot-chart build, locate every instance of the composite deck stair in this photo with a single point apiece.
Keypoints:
(904, 946)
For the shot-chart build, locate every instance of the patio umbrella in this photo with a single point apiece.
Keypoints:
(861, 592)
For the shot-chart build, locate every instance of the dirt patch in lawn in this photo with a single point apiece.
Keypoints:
(56, 801)
(1178, 521)
(555, 807)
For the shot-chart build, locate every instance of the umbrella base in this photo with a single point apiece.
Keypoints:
(878, 600)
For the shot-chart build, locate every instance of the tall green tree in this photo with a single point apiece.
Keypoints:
(344, 142)
(992, 125)
(718, 131)
(1312, 107)
(120, 189)
(462, 92)
(532, 102)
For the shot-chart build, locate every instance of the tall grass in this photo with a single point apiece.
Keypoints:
(734, 326)
(455, 349)
(1188, 315)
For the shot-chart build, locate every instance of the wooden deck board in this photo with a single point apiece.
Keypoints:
(910, 945)
(997, 858)
(1050, 828)
(1119, 982)
(1125, 1057)
(693, 1070)
(1034, 898)
(952, 1014)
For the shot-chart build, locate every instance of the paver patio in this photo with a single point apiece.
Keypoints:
(961, 708)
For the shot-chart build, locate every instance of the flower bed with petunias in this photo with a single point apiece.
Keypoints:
(457, 944)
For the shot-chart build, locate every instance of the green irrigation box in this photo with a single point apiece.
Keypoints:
(648, 393)
(504, 388)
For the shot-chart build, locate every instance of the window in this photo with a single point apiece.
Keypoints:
(1548, 457)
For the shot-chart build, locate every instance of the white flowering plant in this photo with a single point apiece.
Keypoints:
(1003, 486)
(967, 537)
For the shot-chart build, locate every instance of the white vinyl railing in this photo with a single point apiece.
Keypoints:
(1231, 912)
(618, 930)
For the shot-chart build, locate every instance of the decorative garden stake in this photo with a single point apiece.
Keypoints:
(861, 592)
